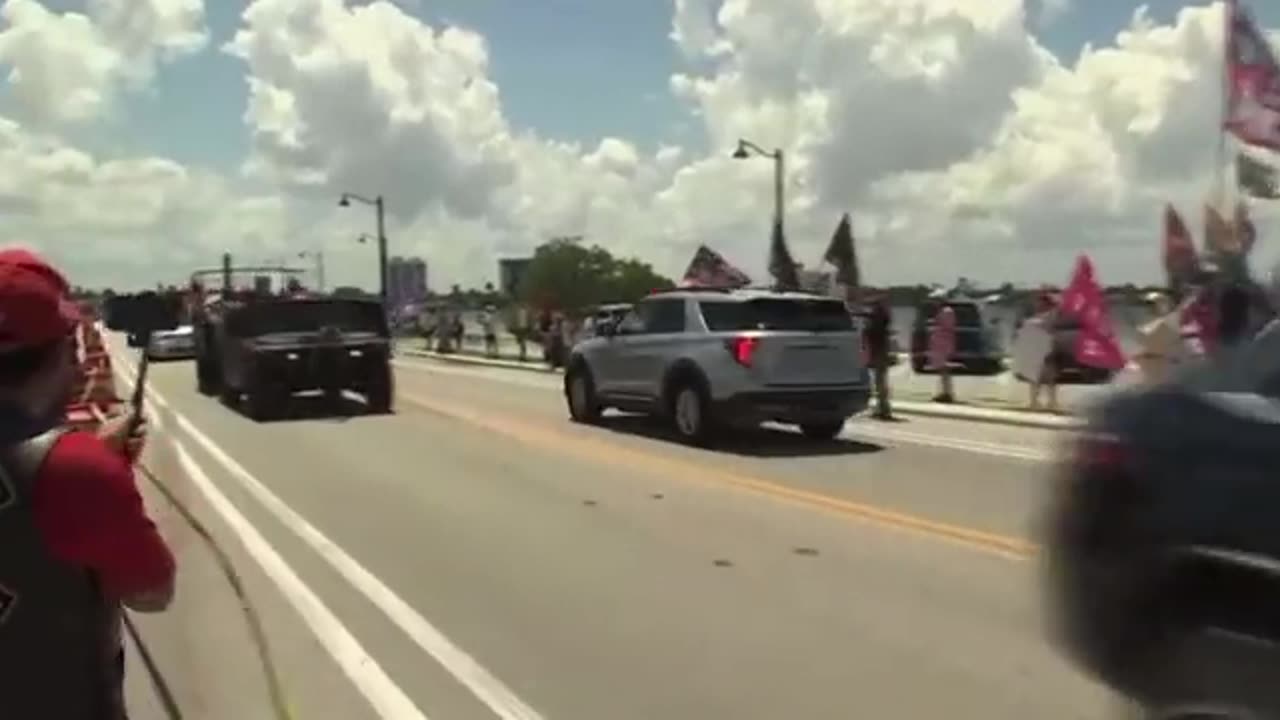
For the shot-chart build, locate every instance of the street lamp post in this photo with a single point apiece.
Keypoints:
(746, 149)
(345, 201)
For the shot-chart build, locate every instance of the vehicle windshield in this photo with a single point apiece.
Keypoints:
(967, 314)
(304, 317)
(815, 315)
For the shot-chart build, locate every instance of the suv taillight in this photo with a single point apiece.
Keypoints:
(1101, 452)
(1102, 495)
(743, 349)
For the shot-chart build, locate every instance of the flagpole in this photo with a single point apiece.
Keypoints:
(1228, 15)
(1228, 25)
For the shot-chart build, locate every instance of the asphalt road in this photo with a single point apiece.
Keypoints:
(477, 556)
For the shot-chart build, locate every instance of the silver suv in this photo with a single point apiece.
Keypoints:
(711, 359)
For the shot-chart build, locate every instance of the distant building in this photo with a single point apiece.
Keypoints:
(406, 281)
(511, 272)
(262, 284)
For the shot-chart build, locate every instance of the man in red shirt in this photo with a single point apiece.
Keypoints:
(75, 540)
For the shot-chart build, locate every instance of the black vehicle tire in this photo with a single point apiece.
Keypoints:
(989, 366)
(206, 382)
(1212, 673)
(264, 403)
(827, 430)
(580, 395)
(230, 396)
(690, 413)
(380, 394)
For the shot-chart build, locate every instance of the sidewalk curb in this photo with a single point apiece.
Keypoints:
(1013, 418)
(457, 359)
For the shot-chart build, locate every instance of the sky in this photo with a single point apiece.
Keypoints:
(994, 139)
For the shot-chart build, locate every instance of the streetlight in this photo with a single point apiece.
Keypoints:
(345, 201)
(318, 255)
(745, 150)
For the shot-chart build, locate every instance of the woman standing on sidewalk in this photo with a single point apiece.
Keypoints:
(1045, 319)
(942, 345)
(1161, 340)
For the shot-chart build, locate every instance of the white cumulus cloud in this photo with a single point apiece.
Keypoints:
(68, 67)
(959, 143)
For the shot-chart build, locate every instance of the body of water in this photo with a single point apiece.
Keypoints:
(1124, 318)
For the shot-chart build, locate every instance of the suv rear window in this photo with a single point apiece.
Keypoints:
(305, 317)
(777, 314)
(967, 314)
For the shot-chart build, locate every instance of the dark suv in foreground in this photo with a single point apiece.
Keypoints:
(1162, 543)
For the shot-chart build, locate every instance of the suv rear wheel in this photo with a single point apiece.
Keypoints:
(580, 393)
(691, 414)
(1218, 674)
(380, 395)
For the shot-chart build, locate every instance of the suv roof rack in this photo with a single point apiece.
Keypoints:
(693, 289)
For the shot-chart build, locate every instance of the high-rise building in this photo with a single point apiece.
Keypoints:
(406, 281)
(511, 272)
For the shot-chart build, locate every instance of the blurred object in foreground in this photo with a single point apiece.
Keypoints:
(1162, 544)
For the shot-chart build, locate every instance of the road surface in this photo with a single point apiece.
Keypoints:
(475, 555)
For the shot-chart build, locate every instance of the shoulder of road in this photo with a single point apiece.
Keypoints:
(989, 410)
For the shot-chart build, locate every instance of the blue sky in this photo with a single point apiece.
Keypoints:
(546, 56)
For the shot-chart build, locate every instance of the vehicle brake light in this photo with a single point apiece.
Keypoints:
(1101, 452)
(743, 349)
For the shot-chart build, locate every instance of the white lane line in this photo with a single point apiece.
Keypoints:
(378, 689)
(495, 695)
(854, 430)
(504, 375)
(387, 699)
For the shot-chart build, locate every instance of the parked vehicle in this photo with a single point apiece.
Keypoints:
(176, 344)
(610, 314)
(978, 346)
(1161, 551)
(712, 360)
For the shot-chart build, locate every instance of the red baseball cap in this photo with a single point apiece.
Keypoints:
(35, 303)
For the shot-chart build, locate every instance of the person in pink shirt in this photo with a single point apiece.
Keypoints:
(942, 345)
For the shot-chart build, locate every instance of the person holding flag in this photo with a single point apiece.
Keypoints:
(842, 255)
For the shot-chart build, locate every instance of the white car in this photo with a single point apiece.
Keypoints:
(176, 344)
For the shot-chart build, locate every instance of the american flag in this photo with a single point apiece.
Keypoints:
(708, 268)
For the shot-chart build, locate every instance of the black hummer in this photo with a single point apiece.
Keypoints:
(266, 348)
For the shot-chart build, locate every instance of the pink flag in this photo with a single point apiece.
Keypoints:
(1096, 345)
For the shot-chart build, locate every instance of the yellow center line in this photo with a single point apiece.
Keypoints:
(580, 444)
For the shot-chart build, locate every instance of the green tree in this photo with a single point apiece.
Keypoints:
(569, 276)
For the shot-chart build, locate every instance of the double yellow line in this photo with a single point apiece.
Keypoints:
(568, 441)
